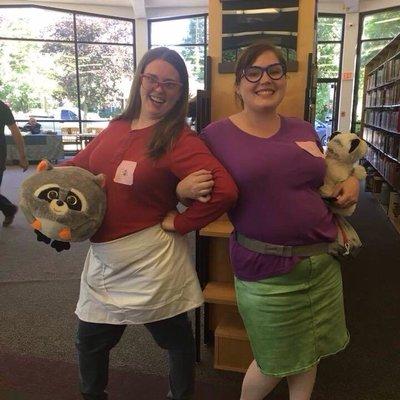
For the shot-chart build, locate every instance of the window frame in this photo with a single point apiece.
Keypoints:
(204, 44)
(75, 42)
(338, 79)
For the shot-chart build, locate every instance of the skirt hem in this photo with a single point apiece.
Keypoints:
(303, 369)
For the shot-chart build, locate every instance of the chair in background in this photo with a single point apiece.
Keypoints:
(94, 130)
(71, 140)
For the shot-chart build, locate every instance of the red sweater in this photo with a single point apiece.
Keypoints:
(145, 202)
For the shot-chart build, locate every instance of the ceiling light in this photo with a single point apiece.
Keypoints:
(261, 11)
(387, 20)
(255, 11)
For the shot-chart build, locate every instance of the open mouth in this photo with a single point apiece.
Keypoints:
(157, 99)
(264, 92)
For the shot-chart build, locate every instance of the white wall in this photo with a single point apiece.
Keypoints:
(352, 22)
(125, 12)
(372, 5)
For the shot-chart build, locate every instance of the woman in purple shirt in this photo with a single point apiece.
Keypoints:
(291, 304)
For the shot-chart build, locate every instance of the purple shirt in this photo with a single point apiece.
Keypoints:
(278, 200)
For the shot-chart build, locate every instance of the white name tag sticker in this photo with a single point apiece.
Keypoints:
(312, 148)
(125, 171)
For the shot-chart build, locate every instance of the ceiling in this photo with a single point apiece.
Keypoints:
(142, 7)
(136, 3)
(158, 3)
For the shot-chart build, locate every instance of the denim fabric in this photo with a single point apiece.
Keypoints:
(295, 319)
(94, 342)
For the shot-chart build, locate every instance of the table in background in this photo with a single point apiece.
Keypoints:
(37, 147)
(75, 142)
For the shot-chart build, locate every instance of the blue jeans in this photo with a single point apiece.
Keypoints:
(94, 342)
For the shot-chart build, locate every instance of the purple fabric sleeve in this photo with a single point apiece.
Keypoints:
(278, 185)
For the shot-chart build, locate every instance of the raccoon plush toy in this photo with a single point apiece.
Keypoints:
(63, 204)
(343, 152)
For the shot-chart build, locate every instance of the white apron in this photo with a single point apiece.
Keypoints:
(144, 277)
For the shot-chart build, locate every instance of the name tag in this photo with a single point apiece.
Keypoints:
(311, 148)
(124, 173)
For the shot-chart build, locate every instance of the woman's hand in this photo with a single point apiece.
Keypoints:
(196, 186)
(24, 164)
(168, 222)
(347, 192)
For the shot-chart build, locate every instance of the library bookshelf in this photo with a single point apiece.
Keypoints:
(381, 121)
(223, 326)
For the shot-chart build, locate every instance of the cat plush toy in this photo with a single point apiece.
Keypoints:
(63, 204)
(342, 156)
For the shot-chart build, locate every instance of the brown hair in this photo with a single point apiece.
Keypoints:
(170, 126)
(249, 55)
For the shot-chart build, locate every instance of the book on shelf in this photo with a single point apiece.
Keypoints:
(388, 168)
(387, 73)
(389, 144)
(385, 96)
(385, 119)
(381, 124)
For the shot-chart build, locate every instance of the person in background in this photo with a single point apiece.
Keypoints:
(32, 126)
(7, 119)
(288, 289)
(192, 110)
(138, 269)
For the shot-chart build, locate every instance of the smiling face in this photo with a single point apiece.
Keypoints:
(159, 99)
(267, 93)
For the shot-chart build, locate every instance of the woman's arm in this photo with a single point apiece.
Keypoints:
(19, 142)
(347, 192)
(196, 186)
(190, 154)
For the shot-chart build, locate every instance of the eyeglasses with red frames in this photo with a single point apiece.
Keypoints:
(254, 73)
(151, 82)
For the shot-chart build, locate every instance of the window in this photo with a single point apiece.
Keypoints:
(377, 30)
(329, 60)
(62, 66)
(187, 36)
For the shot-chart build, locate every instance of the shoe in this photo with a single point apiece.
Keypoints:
(8, 220)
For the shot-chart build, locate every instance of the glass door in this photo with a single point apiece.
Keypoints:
(326, 110)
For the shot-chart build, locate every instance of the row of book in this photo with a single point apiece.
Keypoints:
(386, 96)
(389, 169)
(387, 119)
(387, 143)
(388, 72)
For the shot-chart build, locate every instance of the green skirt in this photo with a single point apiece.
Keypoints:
(294, 320)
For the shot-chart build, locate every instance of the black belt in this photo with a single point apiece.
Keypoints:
(282, 251)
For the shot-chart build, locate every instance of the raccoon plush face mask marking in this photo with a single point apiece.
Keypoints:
(63, 204)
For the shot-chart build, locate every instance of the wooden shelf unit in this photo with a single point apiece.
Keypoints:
(223, 325)
(380, 124)
(220, 293)
(232, 350)
(218, 228)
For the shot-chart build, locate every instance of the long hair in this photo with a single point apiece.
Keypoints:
(170, 126)
(249, 55)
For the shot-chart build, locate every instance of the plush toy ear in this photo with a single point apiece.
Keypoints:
(100, 180)
(44, 165)
(333, 134)
(354, 144)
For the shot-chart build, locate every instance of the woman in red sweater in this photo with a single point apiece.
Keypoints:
(138, 269)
